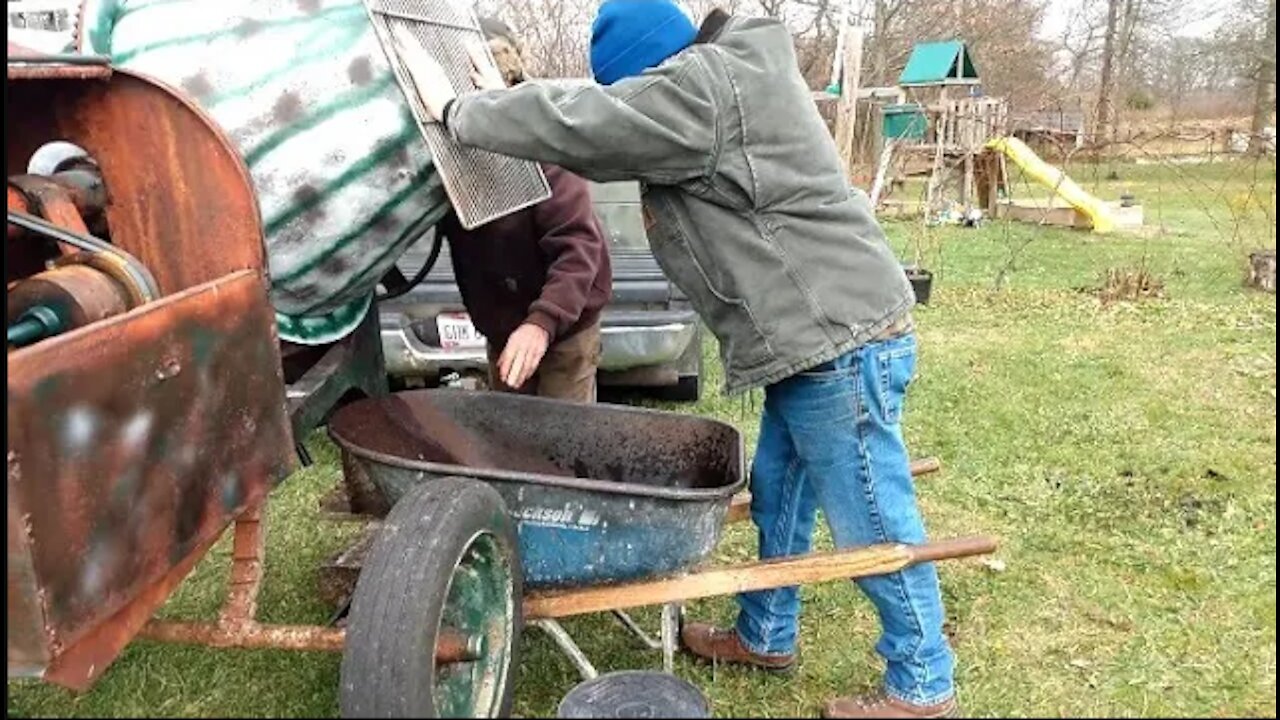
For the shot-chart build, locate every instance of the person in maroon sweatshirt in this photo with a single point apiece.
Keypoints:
(535, 282)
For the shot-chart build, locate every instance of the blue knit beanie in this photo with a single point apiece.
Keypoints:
(631, 36)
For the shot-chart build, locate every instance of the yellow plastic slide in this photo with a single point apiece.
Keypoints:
(1053, 178)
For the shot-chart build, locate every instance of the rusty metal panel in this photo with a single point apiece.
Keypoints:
(132, 444)
(28, 653)
(58, 72)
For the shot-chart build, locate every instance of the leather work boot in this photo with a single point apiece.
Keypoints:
(883, 706)
(712, 643)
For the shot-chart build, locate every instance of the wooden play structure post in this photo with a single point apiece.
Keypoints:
(850, 74)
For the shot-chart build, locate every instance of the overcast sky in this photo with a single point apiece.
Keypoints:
(1202, 19)
(1205, 18)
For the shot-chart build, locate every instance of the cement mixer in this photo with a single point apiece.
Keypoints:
(154, 176)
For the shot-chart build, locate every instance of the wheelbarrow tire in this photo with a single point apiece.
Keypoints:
(403, 598)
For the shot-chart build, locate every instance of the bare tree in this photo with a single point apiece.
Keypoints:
(1117, 47)
(1001, 33)
(557, 33)
(1264, 99)
(1081, 41)
(1105, 123)
(883, 30)
(699, 9)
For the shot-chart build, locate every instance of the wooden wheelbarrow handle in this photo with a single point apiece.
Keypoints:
(760, 575)
(740, 507)
(951, 549)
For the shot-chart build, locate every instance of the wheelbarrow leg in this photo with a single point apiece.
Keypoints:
(644, 637)
(568, 647)
(669, 638)
(672, 614)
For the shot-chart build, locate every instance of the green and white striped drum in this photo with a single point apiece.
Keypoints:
(344, 179)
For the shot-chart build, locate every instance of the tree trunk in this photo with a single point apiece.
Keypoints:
(1106, 90)
(1262, 270)
(1264, 98)
(1126, 29)
(880, 56)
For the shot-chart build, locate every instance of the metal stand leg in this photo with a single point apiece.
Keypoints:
(669, 639)
(304, 456)
(568, 647)
(248, 551)
(669, 642)
(237, 624)
(672, 614)
(644, 637)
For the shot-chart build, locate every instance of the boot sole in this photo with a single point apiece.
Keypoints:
(781, 670)
(952, 713)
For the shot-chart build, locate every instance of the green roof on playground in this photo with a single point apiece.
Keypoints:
(939, 63)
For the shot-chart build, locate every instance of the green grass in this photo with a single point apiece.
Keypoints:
(1124, 455)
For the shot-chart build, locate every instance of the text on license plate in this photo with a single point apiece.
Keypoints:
(456, 331)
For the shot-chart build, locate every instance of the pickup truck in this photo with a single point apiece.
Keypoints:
(651, 338)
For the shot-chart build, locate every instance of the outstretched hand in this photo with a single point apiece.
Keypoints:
(484, 73)
(522, 354)
(429, 78)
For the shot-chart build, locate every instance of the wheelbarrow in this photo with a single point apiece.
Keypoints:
(573, 508)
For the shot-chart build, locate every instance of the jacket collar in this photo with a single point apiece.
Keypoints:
(712, 26)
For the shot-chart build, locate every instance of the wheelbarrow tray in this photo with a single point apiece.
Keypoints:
(600, 494)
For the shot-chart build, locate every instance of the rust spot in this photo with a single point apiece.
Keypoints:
(361, 70)
(309, 195)
(300, 293)
(288, 108)
(400, 158)
(198, 85)
(384, 222)
(649, 220)
(169, 369)
(250, 26)
(335, 265)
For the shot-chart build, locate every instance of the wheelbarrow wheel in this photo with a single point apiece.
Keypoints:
(435, 620)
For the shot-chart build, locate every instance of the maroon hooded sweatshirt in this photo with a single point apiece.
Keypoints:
(547, 265)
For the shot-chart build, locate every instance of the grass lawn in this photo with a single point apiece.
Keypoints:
(1124, 454)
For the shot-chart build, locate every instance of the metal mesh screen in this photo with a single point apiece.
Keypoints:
(481, 186)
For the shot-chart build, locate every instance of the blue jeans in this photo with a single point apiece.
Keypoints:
(831, 438)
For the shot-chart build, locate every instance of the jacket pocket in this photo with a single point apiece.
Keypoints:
(895, 369)
(742, 344)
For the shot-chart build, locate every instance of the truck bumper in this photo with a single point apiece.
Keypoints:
(629, 340)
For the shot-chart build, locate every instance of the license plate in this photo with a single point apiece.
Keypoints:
(456, 331)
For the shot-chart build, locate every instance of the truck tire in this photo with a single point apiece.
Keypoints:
(445, 566)
(687, 389)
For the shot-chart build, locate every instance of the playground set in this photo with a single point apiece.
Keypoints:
(936, 124)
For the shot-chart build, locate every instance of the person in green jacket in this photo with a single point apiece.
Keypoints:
(749, 212)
